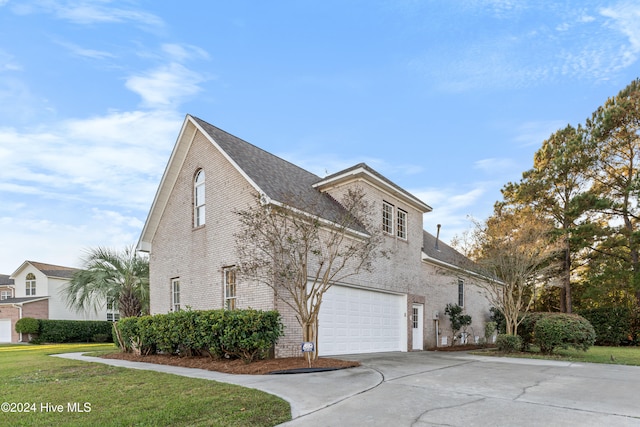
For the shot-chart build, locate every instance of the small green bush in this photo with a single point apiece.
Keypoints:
(496, 316)
(28, 325)
(508, 343)
(560, 330)
(489, 329)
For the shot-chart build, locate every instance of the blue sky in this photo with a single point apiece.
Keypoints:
(449, 99)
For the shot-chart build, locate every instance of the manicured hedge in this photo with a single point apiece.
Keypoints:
(561, 330)
(61, 331)
(245, 334)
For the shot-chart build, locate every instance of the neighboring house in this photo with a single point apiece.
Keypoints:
(190, 237)
(37, 292)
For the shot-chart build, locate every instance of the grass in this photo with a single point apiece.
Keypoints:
(597, 354)
(119, 396)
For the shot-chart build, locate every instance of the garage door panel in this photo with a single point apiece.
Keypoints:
(5, 330)
(359, 321)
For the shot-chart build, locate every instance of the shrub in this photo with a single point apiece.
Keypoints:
(612, 324)
(61, 331)
(527, 324)
(489, 329)
(560, 330)
(247, 334)
(458, 321)
(496, 316)
(28, 325)
(508, 343)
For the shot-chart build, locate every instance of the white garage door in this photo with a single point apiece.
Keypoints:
(5, 330)
(359, 321)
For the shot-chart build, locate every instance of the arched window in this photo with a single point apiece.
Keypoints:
(31, 285)
(198, 199)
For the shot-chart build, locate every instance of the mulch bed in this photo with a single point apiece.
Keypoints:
(236, 366)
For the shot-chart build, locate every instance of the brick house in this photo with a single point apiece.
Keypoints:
(35, 290)
(189, 235)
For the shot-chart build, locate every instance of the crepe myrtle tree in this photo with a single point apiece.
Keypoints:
(291, 247)
(513, 253)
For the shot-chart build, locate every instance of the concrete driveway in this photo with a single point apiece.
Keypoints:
(445, 389)
(456, 389)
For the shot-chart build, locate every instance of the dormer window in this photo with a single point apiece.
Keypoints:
(199, 199)
(30, 288)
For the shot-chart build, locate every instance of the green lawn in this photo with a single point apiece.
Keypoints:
(612, 355)
(32, 381)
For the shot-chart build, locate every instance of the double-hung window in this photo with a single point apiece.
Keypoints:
(387, 217)
(175, 294)
(113, 315)
(230, 288)
(402, 224)
(5, 295)
(30, 289)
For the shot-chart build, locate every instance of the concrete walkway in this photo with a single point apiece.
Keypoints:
(441, 388)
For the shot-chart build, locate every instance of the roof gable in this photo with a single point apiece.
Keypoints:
(274, 178)
(49, 270)
(363, 171)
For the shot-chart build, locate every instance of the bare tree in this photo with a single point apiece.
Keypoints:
(300, 254)
(513, 252)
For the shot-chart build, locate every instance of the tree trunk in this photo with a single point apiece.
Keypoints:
(309, 329)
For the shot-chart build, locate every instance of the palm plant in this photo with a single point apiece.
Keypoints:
(110, 275)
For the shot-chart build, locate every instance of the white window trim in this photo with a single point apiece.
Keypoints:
(402, 223)
(30, 285)
(230, 301)
(387, 209)
(175, 294)
(199, 204)
(113, 314)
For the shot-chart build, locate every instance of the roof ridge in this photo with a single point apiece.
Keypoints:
(254, 146)
(40, 265)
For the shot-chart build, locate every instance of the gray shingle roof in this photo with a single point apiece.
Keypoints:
(5, 280)
(51, 270)
(445, 253)
(281, 180)
(21, 300)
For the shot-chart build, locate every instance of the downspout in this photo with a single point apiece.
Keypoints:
(19, 307)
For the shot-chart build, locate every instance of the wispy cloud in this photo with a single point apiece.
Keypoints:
(88, 12)
(493, 166)
(533, 133)
(453, 205)
(624, 18)
(166, 85)
(77, 50)
(589, 43)
(114, 159)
